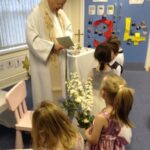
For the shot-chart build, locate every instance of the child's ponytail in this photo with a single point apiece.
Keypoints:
(103, 55)
(102, 66)
(122, 104)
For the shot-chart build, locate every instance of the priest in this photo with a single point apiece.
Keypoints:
(46, 22)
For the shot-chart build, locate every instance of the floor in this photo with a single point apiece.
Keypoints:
(140, 81)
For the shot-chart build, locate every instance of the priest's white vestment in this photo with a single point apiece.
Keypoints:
(41, 40)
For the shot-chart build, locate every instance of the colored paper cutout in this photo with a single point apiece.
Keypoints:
(100, 0)
(100, 9)
(92, 9)
(136, 38)
(136, 1)
(107, 33)
(110, 10)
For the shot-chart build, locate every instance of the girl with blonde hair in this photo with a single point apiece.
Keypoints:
(52, 130)
(111, 128)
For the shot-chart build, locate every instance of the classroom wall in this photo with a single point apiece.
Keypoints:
(137, 12)
(11, 66)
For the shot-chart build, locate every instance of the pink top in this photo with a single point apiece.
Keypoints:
(109, 138)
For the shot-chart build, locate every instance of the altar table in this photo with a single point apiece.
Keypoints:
(82, 63)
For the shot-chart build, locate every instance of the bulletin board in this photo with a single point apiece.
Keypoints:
(130, 23)
(100, 21)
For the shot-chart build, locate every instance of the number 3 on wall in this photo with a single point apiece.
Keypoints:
(106, 34)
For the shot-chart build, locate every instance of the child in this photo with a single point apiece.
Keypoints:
(106, 57)
(117, 52)
(52, 130)
(103, 55)
(111, 129)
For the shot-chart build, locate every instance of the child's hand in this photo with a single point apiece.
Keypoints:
(89, 130)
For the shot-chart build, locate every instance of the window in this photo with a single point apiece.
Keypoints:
(13, 14)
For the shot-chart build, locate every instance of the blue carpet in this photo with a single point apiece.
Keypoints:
(140, 114)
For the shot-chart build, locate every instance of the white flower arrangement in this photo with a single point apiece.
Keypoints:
(79, 102)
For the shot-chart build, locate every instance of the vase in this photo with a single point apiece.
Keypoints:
(71, 115)
(82, 132)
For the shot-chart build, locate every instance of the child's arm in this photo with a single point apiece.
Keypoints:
(93, 133)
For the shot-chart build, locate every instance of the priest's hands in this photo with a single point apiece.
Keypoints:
(57, 48)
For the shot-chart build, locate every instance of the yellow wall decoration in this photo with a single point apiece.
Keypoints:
(136, 38)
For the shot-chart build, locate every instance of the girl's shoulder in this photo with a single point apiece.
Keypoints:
(102, 117)
(105, 114)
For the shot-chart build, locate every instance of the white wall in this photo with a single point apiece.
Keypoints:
(11, 67)
(147, 61)
(12, 73)
(75, 10)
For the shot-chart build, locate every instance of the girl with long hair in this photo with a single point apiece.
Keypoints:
(52, 130)
(111, 128)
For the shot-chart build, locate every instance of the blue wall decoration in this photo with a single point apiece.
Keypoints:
(119, 11)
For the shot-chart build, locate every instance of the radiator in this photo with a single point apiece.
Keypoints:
(11, 66)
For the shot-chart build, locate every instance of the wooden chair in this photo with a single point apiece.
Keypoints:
(15, 98)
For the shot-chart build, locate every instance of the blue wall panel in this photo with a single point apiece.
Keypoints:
(138, 13)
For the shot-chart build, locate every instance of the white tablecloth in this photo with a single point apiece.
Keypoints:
(81, 63)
